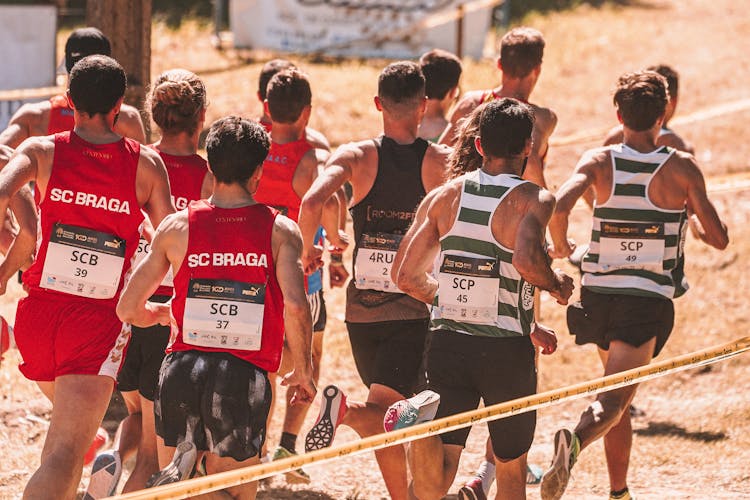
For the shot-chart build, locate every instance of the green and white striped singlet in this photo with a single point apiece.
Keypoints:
(636, 247)
(480, 292)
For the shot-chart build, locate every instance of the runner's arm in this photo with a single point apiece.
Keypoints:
(19, 127)
(152, 186)
(705, 220)
(543, 128)
(415, 259)
(435, 166)
(567, 196)
(464, 107)
(133, 307)
(338, 170)
(529, 257)
(419, 218)
(287, 248)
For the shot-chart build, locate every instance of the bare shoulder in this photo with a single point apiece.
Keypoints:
(438, 153)
(684, 163)
(176, 222)
(614, 136)
(354, 151)
(40, 144)
(317, 139)
(150, 158)
(673, 140)
(530, 192)
(129, 113)
(545, 117)
(596, 157)
(466, 104)
(286, 231)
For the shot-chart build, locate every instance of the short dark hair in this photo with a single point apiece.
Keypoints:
(287, 94)
(504, 127)
(401, 84)
(673, 78)
(641, 98)
(521, 50)
(441, 70)
(268, 71)
(96, 83)
(236, 148)
(85, 42)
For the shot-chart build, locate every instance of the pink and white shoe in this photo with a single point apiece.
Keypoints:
(332, 412)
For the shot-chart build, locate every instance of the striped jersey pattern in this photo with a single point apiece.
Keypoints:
(629, 203)
(471, 236)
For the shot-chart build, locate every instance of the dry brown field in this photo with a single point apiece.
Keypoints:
(694, 440)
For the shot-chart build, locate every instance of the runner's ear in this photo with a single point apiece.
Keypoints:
(70, 101)
(266, 109)
(478, 146)
(378, 104)
(619, 116)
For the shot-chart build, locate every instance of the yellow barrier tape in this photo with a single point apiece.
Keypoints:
(517, 406)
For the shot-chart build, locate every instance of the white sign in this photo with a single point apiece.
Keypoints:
(383, 28)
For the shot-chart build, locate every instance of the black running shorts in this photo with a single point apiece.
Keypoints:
(465, 368)
(140, 370)
(218, 400)
(389, 352)
(600, 318)
(318, 310)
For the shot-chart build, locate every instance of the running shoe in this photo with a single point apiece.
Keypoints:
(297, 476)
(472, 490)
(105, 474)
(332, 412)
(555, 480)
(179, 468)
(101, 438)
(533, 474)
(412, 411)
(627, 495)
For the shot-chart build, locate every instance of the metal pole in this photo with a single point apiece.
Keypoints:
(460, 31)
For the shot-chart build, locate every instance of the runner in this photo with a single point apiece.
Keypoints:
(91, 185)
(667, 136)
(234, 299)
(268, 71)
(646, 196)
(178, 106)
(288, 172)
(442, 72)
(389, 176)
(487, 230)
(56, 115)
(521, 51)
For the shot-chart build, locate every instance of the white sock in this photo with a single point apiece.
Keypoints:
(486, 472)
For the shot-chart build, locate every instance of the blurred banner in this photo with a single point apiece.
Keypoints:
(27, 52)
(364, 28)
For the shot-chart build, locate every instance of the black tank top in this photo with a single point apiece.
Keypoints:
(385, 215)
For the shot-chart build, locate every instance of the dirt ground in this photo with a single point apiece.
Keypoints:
(693, 440)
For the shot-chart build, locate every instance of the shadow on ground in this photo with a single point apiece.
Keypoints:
(670, 429)
(288, 494)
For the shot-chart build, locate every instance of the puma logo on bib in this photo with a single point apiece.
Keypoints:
(224, 314)
(83, 262)
(468, 289)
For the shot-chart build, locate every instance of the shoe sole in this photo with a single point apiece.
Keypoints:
(322, 433)
(466, 493)
(408, 412)
(97, 481)
(553, 485)
(171, 473)
(294, 477)
(427, 403)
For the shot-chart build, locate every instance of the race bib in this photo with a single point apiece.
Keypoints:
(374, 262)
(144, 247)
(468, 289)
(83, 262)
(224, 314)
(631, 245)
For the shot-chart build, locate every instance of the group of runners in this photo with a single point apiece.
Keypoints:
(131, 252)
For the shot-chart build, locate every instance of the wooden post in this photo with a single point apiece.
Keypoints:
(460, 31)
(127, 24)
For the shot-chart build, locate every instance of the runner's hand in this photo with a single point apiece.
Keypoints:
(544, 338)
(338, 242)
(337, 274)
(564, 288)
(162, 313)
(302, 385)
(561, 251)
(312, 259)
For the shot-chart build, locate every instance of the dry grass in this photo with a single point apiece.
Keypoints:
(693, 441)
